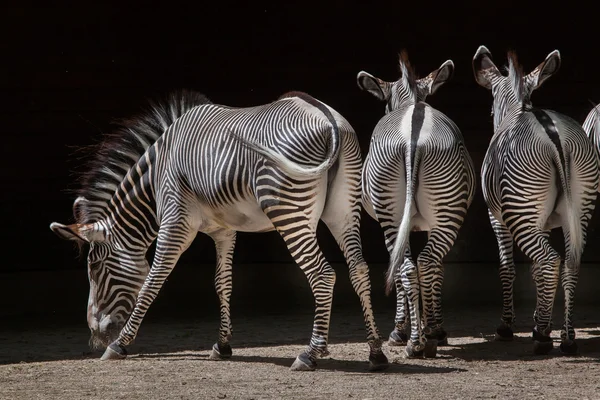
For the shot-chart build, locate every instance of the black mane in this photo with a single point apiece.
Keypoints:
(111, 158)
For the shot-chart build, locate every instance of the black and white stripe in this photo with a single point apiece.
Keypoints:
(591, 126)
(417, 176)
(540, 172)
(219, 170)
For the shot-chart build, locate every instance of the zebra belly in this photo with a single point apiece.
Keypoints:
(241, 216)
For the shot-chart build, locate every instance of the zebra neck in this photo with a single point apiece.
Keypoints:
(131, 218)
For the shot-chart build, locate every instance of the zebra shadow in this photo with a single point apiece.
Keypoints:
(521, 349)
(326, 364)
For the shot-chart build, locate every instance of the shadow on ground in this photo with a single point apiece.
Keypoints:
(470, 337)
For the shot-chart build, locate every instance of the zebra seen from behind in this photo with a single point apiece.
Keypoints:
(540, 172)
(218, 170)
(418, 176)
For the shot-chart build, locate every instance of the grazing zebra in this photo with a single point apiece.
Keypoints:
(219, 170)
(418, 176)
(540, 172)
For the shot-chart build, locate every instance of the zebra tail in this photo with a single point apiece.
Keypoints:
(397, 256)
(290, 167)
(574, 219)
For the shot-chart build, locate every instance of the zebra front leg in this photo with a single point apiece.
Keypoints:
(348, 238)
(504, 332)
(173, 239)
(224, 244)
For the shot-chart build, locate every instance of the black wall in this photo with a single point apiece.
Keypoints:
(68, 71)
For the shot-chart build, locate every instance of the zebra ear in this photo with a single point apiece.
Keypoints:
(545, 70)
(375, 86)
(437, 78)
(78, 232)
(484, 68)
(78, 204)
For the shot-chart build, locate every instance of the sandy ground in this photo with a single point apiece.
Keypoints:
(170, 361)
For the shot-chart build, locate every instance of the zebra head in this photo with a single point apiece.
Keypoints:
(513, 90)
(114, 276)
(408, 89)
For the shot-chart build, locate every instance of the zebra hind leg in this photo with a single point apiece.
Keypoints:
(431, 278)
(224, 244)
(348, 238)
(409, 278)
(504, 332)
(301, 240)
(569, 278)
(545, 274)
(399, 336)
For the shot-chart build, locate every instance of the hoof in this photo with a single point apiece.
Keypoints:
(378, 361)
(542, 344)
(504, 333)
(114, 352)
(398, 338)
(569, 347)
(303, 363)
(430, 350)
(220, 352)
(413, 350)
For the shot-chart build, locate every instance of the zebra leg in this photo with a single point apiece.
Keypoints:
(431, 279)
(174, 237)
(300, 237)
(436, 318)
(321, 278)
(569, 278)
(399, 336)
(225, 244)
(504, 332)
(347, 236)
(545, 271)
(409, 276)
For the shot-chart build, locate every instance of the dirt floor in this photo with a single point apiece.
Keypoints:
(170, 361)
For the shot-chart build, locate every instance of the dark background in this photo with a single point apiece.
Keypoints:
(68, 71)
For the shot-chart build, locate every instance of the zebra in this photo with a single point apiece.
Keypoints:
(218, 170)
(591, 126)
(418, 176)
(540, 172)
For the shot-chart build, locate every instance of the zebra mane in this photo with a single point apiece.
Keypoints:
(515, 76)
(409, 76)
(109, 160)
(293, 93)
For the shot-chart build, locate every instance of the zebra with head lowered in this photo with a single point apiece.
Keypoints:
(418, 176)
(218, 170)
(540, 172)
